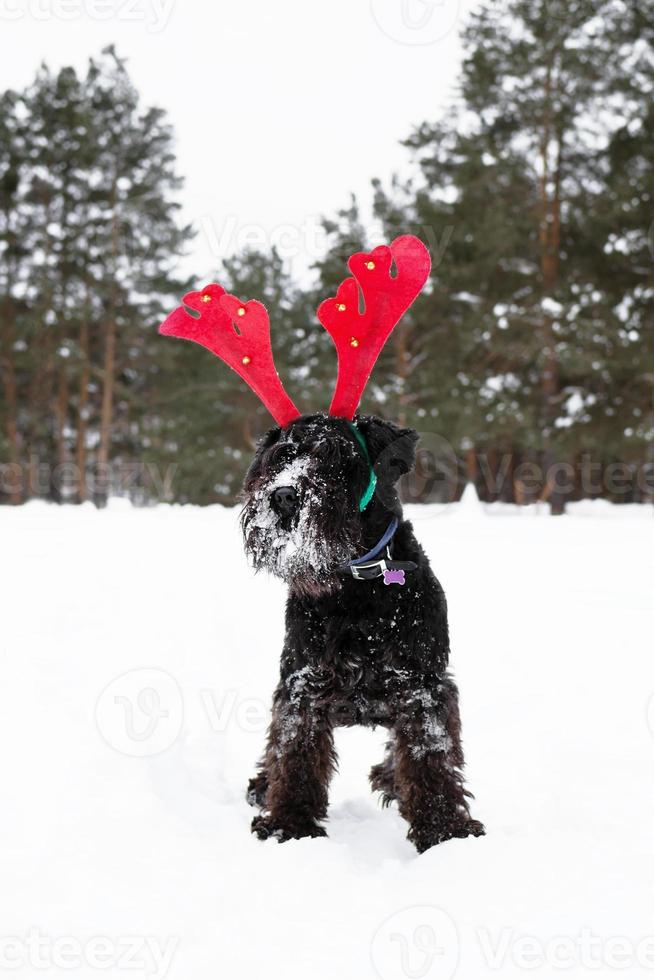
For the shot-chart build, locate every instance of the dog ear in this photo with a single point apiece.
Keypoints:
(266, 442)
(392, 448)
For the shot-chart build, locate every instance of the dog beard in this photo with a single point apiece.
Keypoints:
(305, 549)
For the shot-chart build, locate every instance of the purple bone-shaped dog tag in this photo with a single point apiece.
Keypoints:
(394, 575)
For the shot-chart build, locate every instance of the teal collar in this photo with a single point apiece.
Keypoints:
(372, 482)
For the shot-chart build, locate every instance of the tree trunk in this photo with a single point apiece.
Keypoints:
(39, 399)
(10, 391)
(40, 394)
(109, 360)
(61, 412)
(106, 411)
(82, 407)
(550, 249)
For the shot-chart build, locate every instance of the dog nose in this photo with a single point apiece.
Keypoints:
(284, 500)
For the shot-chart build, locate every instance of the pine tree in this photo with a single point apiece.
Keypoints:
(88, 243)
(56, 138)
(135, 239)
(518, 314)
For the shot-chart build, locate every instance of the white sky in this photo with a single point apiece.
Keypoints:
(280, 107)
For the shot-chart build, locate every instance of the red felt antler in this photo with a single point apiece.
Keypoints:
(238, 333)
(360, 336)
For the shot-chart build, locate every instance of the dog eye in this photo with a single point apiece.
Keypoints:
(281, 453)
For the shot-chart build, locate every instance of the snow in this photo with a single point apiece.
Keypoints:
(140, 652)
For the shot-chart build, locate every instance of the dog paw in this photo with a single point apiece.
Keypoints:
(382, 781)
(425, 837)
(265, 827)
(472, 828)
(257, 789)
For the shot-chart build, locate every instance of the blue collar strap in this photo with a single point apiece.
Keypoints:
(370, 566)
(381, 544)
(372, 482)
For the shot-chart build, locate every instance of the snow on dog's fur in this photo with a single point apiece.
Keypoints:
(304, 550)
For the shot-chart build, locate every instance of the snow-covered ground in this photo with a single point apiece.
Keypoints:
(139, 653)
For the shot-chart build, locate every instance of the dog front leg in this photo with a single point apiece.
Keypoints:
(428, 760)
(297, 768)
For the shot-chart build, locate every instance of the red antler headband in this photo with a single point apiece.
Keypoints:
(239, 333)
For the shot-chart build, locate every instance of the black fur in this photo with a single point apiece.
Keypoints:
(355, 652)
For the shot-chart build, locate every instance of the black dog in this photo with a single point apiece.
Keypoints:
(360, 648)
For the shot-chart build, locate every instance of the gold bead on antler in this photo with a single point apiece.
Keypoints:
(241, 311)
(370, 265)
(246, 359)
(354, 342)
(341, 307)
(206, 298)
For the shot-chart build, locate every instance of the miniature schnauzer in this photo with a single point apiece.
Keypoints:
(366, 643)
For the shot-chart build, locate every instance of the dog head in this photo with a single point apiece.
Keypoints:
(304, 491)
